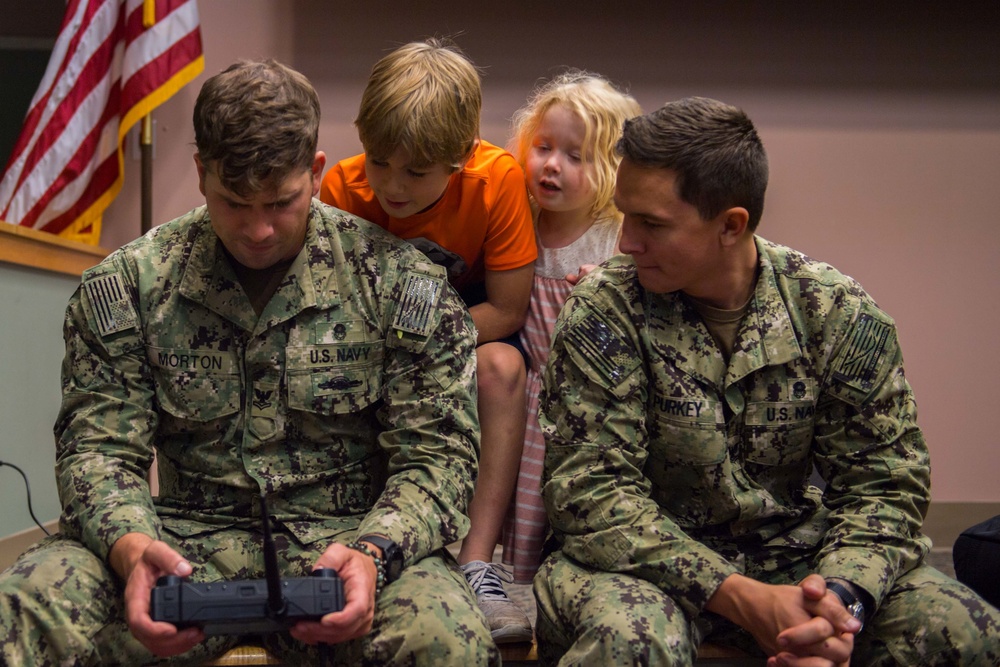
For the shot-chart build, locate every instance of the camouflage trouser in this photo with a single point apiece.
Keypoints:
(589, 617)
(61, 605)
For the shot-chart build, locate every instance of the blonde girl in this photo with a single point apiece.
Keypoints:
(564, 138)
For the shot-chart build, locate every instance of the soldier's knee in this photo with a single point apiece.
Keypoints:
(46, 613)
(644, 637)
(470, 645)
(552, 641)
(938, 649)
(429, 616)
(613, 638)
(972, 639)
(437, 642)
(967, 633)
(34, 575)
(58, 577)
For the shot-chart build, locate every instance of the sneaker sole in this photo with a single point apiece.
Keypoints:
(512, 635)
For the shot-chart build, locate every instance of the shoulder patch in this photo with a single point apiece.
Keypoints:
(602, 348)
(112, 308)
(415, 310)
(863, 353)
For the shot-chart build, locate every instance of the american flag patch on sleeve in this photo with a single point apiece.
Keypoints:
(111, 305)
(420, 295)
(606, 352)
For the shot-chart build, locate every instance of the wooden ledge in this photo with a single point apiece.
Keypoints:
(41, 250)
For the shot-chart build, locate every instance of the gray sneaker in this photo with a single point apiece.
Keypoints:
(508, 622)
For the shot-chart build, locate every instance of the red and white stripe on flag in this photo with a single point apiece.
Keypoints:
(113, 62)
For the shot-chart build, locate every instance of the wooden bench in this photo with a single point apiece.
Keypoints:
(245, 655)
(515, 655)
(709, 655)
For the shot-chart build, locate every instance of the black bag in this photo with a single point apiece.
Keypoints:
(976, 555)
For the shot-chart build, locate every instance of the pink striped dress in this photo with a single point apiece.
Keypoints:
(525, 527)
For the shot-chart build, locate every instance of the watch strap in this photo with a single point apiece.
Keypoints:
(841, 591)
(851, 600)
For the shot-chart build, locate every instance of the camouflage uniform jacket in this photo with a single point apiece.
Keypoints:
(351, 400)
(665, 463)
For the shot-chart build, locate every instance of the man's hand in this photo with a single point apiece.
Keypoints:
(140, 560)
(358, 574)
(799, 626)
(830, 621)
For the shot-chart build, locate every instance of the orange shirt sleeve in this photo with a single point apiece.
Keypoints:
(345, 187)
(331, 189)
(510, 236)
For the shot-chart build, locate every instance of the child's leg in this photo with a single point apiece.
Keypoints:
(502, 415)
(502, 418)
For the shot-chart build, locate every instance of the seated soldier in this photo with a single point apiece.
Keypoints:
(262, 343)
(693, 385)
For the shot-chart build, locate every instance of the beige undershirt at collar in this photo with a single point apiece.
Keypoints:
(721, 324)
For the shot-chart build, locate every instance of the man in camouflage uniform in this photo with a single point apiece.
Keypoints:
(263, 343)
(692, 387)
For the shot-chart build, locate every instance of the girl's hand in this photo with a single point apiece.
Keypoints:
(574, 278)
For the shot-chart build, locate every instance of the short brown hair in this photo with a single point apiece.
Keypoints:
(424, 97)
(256, 122)
(714, 149)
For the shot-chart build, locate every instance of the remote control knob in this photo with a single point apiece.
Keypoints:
(324, 572)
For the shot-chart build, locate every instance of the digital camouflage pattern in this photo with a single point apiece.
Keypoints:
(593, 617)
(67, 608)
(666, 464)
(350, 401)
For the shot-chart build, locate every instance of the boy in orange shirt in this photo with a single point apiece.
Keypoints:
(426, 177)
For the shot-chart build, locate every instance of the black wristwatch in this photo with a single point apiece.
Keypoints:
(392, 555)
(850, 600)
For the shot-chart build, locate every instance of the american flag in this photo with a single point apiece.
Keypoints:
(114, 61)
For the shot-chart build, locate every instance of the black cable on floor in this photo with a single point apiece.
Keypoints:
(27, 488)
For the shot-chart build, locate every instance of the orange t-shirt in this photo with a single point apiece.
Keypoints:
(481, 222)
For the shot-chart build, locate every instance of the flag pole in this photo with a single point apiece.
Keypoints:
(146, 153)
(146, 139)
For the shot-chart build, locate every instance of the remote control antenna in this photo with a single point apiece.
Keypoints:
(275, 599)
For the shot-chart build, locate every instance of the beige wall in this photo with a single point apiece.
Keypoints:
(882, 122)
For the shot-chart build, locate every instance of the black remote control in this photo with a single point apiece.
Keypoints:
(252, 606)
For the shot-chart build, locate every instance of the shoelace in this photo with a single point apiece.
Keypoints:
(485, 580)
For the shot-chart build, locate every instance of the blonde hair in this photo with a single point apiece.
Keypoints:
(602, 107)
(424, 97)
